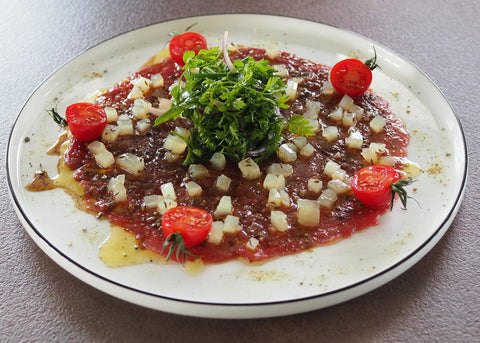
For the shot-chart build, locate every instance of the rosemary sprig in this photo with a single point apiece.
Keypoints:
(397, 188)
(57, 118)
(175, 244)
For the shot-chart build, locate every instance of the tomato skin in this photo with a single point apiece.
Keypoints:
(351, 77)
(192, 223)
(188, 41)
(372, 185)
(86, 121)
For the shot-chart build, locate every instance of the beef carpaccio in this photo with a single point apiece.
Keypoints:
(255, 218)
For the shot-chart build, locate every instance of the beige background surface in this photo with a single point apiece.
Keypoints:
(435, 301)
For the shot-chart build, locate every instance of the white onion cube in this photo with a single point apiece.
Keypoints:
(330, 133)
(286, 154)
(197, 171)
(218, 160)
(111, 113)
(308, 212)
(216, 233)
(377, 124)
(281, 169)
(117, 188)
(224, 207)
(279, 221)
(327, 198)
(131, 163)
(175, 144)
(315, 185)
(231, 224)
(193, 189)
(168, 191)
(223, 183)
(249, 168)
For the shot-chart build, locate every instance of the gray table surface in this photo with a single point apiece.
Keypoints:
(435, 301)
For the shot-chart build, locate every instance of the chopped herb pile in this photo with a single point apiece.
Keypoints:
(233, 111)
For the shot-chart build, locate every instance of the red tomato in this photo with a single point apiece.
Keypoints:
(192, 223)
(372, 185)
(188, 41)
(86, 121)
(351, 77)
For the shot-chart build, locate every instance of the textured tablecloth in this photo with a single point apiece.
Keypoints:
(434, 301)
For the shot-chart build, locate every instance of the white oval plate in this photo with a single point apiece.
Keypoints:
(292, 284)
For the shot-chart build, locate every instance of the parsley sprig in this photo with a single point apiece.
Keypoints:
(232, 111)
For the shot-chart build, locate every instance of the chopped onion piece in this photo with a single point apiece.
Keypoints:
(327, 198)
(175, 144)
(252, 244)
(117, 188)
(331, 167)
(279, 221)
(157, 80)
(308, 212)
(125, 126)
(410, 168)
(218, 160)
(327, 88)
(377, 124)
(274, 198)
(330, 133)
(216, 233)
(346, 102)
(307, 151)
(315, 185)
(193, 189)
(168, 191)
(231, 224)
(348, 119)
(387, 160)
(223, 183)
(224, 207)
(249, 168)
(338, 186)
(185, 133)
(166, 204)
(151, 201)
(110, 133)
(300, 142)
(103, 157)
(226, 56)
(359, 112)
(354, 140)
(315, 124)
(336, 114)
(286, 154)
(285, 198)
(197, 171)
(131, 163)
(140, 108)
(372, 153)
(135, 93)
(281, 70)
(273, 53)
(281, 169)
(291, 90)
(111, 113)
(143, 125)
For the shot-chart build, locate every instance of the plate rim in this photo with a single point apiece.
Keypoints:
(414, 256)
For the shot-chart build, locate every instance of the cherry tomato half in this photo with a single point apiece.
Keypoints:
(86, 121)
(351, 77)
(372, 185)
(192, 223)
(188, 41)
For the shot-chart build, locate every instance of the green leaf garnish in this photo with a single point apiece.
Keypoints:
(174, 243)
(57, 118)
(300, 125)
(372, 62)
(232, 111)
(397, 188)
